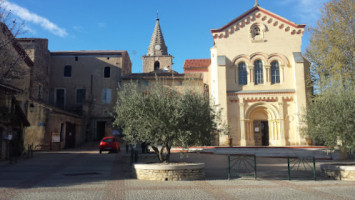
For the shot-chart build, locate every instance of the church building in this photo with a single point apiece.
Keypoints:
(258, 78)
(157, 64)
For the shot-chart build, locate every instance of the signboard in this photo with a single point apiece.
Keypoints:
(8, 137)
(116, 132)
(41, 124)
(55, 137)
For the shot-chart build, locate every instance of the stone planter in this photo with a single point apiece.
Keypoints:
(340, 171)
(169, 172)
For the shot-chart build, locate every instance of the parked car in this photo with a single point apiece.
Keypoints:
(109, 144)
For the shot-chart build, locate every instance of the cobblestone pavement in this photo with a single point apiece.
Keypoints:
(85, 174)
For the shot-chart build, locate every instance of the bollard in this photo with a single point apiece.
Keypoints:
(229, 167)
(288, 167)
(255, 167)
(314, 169)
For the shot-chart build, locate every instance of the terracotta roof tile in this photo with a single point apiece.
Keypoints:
(194, 65)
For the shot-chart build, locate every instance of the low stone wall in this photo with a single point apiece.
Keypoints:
(339, 171)
(169, 172)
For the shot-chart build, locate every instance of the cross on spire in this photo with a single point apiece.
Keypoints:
(157, 14)
(256, 3)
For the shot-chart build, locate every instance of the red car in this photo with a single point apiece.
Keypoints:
(109, 144)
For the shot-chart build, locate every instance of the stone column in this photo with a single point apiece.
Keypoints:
(281, 121)
(282, 73)
(242, 124)
(267, 76)
(251, 75)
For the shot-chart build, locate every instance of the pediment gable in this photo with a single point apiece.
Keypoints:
(254, 15)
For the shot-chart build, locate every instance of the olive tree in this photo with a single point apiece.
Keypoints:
(163, 117)
(330, 119)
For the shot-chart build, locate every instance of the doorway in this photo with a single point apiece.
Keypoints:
(264, 125)
(69, 135)
(100, 129)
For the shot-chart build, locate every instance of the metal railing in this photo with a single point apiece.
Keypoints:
(301, 166)
(246, 166)
(242, 165)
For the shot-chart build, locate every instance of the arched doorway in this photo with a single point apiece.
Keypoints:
(261, 127)
(156, 65)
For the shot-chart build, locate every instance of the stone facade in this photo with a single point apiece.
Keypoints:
(71, 102)
(149, 63)
(37, 50)
(157, 57)
(14, 93)
(340, 171)
(169, 172)
(258, 77)
(157, 64)
(96, 74)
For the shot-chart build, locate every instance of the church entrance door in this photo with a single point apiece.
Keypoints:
(264, 125)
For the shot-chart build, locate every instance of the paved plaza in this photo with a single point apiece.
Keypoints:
(83, 173)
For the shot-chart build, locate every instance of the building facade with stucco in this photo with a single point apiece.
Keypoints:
(259, 78)
(71, 94)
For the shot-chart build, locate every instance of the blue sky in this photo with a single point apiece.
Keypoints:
(128, 25)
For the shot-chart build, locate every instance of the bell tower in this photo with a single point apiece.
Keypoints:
(157, 57)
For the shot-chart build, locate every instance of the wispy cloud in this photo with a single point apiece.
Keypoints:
(28, 29)
(308, 10)
(26, 15)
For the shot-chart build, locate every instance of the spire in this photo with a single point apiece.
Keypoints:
(157, 45)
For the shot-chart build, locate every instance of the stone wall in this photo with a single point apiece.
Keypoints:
(345, 172)
(165, 62)
(169, 172)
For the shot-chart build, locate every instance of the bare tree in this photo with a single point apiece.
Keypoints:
(10, 51)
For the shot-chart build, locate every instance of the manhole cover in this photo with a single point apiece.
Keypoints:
(81, 174)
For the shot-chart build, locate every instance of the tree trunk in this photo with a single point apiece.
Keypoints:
(167, 158)
(159, 155)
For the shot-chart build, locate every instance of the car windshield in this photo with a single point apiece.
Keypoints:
(108, 140)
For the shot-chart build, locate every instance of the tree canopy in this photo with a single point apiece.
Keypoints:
(330, 119)
(330, 116)
(161, 116)
(332, 46)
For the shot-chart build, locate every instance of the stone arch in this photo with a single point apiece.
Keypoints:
(272, 111)
(241, 58)
(278, 57)
(261, 115)
(236, 61)
(259, 56)
(156, 65)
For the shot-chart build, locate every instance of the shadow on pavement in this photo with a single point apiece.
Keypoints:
(79, 166)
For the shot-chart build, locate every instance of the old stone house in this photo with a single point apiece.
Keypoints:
(258, 77)
(15, 66)
(72, 93)
(86, 82)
